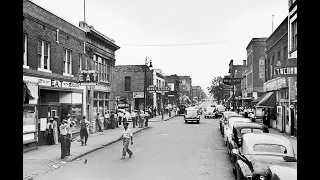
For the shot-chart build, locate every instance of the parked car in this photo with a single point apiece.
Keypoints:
(192, 115)
(199, 108)
(182, 109)
(260, 150)
(282, 171)
(224, 118)
(239, 130)
(210, 112)
(220, 109)
(228, 128)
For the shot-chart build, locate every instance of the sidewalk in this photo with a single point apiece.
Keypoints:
(292, 139)
(47, 158)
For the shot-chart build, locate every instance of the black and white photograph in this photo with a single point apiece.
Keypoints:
(160, 89)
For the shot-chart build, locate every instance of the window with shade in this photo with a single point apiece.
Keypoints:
(285, 55)
(294, 35)
(43, 55)
(80, 63)
(127, 83)
(67, 62)
(25, 61)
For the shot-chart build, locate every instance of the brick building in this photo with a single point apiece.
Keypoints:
(172, 97)
(254, 75)
(236, 71)
(280, 77)
(129, 83)
(54, 52)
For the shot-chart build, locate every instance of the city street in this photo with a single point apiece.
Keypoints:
(169, 150)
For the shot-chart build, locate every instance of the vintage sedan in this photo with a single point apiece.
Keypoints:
(223, 119)
(192, 115)
(227, 134)
(282, 171)
(258, 151)
(210, 112)
(239, 130)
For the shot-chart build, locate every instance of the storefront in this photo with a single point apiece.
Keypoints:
(279, 88)
(30, 100)
(58, 99)
(138, 98)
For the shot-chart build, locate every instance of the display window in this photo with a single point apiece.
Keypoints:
(100, 102)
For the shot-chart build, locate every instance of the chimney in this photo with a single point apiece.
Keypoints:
(244, 62)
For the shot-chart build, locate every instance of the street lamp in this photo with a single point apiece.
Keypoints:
(145, 81)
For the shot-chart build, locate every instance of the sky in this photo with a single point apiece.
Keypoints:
(195, 38)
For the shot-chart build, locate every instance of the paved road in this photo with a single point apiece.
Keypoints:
(169, 150)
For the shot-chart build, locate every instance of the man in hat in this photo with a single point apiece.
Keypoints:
(126, 136)
(50, 130)
(97, 118)
(83, 131)
(63, 135)
(133, 116)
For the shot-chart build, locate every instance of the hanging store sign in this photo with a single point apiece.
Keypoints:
(261, 68)
(275, 84)
(231, 81)
(88, 77)
(138, 94)
(152, 89)
(285, 71)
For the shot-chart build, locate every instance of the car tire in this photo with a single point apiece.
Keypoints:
(186, 122)
(198, 122)
(238, 174)
(234, 172)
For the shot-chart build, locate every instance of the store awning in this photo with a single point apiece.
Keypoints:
(259, 98)
(268, 99)
(31, 88)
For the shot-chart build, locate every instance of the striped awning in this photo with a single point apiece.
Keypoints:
(269, 99)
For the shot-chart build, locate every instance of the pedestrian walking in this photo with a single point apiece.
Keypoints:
(120, 116)
(55, 131)
(116, 120)
(133, 117)
(155, 111)
(84, 124)
(106, 120)
(50, 130)
(142, 119)
(138, 117)
(63, 135)
(70, 125)
(97, 118)
(127, 135)
(127, 116)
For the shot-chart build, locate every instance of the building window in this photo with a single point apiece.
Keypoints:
(294, 35)
(101, 101)
(127, 83)
(285, 55)
(100, 65)
(43, 55)
(67, 61)
(279, 57)
(80, 62)
(25, 61)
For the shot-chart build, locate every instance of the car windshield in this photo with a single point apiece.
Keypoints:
(270, 148)
(250, 130)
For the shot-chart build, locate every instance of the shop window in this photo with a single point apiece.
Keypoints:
(29, 118)
(95, 94)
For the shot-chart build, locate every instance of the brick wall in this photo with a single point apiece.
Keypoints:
(41, 24)
(136, 72)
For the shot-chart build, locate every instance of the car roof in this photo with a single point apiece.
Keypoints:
(251, 139)
(249, 125)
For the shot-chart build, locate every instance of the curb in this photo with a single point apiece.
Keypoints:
(28, 178)
(102, 146)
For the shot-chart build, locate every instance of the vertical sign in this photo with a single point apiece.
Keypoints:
(261, 68)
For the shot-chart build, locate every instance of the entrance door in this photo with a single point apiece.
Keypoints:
(42, 113)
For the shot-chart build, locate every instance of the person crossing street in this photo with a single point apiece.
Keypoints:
(126, 136)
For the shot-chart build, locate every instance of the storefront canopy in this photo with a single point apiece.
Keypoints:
(269, 99)
(31, 88)
(229, 99)
(258, 99)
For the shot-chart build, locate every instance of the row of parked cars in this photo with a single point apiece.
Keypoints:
(254, 152)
